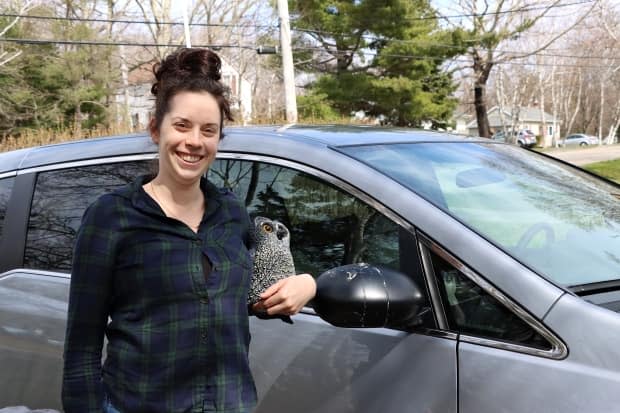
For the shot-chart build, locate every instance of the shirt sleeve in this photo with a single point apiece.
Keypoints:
(89, 295)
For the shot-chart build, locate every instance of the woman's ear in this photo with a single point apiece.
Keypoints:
(153, 131)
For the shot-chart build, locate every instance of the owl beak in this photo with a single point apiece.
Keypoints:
(281, 232)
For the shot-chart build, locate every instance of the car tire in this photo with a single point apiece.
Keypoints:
(521, 144)
(583, 144)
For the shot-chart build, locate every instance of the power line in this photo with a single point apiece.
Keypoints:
(164, 23)
(342, 52)
(261, 26)
(452, 46)
(462, 59)
(523, 10)
(117, 43)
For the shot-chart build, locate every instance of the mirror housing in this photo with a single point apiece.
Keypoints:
(363, 295)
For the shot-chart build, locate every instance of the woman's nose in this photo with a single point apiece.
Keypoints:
(193, 137)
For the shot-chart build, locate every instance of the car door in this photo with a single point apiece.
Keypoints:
(311, 366)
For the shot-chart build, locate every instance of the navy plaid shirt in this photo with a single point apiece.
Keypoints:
(177, 341)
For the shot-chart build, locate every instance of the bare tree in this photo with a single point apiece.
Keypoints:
(610, 19)
(487, 26)
(158, 11)
(19, 8)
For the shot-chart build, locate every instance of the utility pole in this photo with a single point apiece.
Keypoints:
(188, 40)
(287, 62)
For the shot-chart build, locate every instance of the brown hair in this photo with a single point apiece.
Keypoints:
(193, 70)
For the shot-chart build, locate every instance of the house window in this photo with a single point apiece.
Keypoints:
(550, 130)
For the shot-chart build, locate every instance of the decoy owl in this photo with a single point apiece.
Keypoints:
(273, 260)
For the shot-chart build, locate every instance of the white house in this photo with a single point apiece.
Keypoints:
(461, 120)
(531, 118)
(141, 103)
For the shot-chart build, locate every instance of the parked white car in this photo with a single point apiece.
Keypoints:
(524, 138)
(580, 139)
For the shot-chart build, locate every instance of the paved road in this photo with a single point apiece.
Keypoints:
(583, 156)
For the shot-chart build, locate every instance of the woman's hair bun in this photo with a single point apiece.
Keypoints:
(187, 63)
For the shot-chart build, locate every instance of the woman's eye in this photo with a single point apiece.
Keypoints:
(267, 228)
(181, 125)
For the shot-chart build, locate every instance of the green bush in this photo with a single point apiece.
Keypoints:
(315, 107)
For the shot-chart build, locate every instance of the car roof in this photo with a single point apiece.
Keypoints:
(256, 139)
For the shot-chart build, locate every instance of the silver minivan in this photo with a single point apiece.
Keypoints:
(455, 274)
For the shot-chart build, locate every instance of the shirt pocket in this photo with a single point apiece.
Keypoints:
(235, 267)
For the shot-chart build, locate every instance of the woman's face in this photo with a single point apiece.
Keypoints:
(188, 137)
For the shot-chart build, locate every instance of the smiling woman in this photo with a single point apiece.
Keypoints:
(167, 260)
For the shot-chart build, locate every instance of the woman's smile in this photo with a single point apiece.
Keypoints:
(190, 158)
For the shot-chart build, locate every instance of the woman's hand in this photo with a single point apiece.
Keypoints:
(287, 296)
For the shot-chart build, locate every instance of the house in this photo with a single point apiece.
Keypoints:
(522, 118)
(140, 102)
(461, 120)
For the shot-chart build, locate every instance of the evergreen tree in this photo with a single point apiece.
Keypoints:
(382, 57)
(53, 86)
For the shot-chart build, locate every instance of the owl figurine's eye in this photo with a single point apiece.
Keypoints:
(267, 227)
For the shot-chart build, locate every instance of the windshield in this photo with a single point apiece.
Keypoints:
(560, 222)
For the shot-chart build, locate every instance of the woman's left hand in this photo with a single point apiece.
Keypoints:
(287, 296)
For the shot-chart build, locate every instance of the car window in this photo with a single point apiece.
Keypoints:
(59, 200)
(471, 310)
(560, 222)
(6, 185)
(329, 227)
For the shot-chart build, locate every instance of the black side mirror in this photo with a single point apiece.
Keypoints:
(363, 295)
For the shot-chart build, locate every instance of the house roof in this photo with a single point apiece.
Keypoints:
(525, 114)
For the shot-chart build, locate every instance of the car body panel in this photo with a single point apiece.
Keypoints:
(353, 363)
(32, 325)
(582, 382)
(92, 148)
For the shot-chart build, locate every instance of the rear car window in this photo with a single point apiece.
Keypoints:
(59, 201)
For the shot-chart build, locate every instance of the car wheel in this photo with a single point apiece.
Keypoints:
(521, 144)
(583, 144)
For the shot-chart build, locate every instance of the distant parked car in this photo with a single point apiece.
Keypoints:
(525, 137)
(580, 139)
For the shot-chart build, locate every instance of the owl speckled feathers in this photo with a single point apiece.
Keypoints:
(273, 260)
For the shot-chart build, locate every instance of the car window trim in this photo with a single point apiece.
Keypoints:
(558, 349)
(8, 174)
(16, 222)
(30, 271)
(87, 162)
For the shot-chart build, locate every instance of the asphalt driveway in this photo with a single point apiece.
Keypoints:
(583, 156)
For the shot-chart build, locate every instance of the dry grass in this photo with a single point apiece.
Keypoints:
(39, 137)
